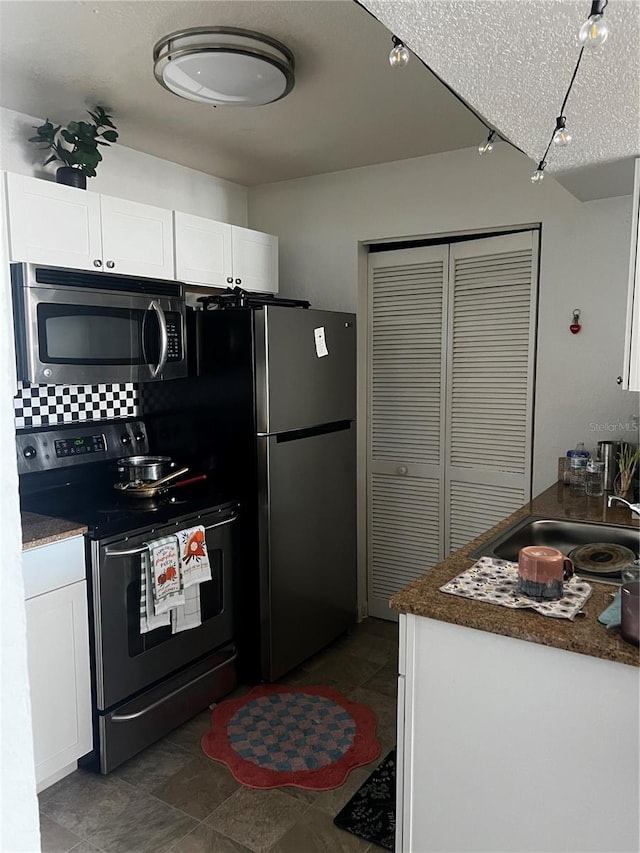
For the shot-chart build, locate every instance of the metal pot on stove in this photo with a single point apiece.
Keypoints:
(134, 469)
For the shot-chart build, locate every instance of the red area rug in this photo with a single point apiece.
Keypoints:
(305, 737)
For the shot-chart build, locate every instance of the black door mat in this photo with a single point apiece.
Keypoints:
(371, 812)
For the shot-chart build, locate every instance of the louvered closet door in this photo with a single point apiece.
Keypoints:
(490, 403)
(407, 309)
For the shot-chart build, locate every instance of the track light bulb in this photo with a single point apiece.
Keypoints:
(487, 146)
(595, 30)
(561, 137)
(399, 55)
(538, 175)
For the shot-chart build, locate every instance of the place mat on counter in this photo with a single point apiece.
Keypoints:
(494, 582)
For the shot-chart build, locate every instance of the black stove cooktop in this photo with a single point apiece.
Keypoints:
(69, 472)
(107, 512)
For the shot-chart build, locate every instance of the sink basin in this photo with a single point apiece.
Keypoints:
(563, 534)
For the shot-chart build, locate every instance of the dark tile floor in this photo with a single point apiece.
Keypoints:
(171, 798)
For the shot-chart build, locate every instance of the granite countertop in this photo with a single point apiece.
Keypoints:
(584, 635)
(43, 530)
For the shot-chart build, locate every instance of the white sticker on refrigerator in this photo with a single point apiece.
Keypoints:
(321, 344)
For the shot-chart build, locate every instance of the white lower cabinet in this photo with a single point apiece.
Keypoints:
(221, 255)
(58, 659)
(506, 745)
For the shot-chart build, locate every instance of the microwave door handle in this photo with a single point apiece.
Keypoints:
(164, 338)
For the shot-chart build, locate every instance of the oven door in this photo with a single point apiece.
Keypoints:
(127, 661)
(78, 337)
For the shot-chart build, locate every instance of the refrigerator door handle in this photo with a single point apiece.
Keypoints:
(307, 432)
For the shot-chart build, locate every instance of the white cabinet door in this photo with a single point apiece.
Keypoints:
(137, 239)
(255, 260)
(58, 658)
(203, 250)
(631, 373)
(53, 224)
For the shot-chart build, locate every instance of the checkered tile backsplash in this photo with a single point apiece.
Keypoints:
(47, 405)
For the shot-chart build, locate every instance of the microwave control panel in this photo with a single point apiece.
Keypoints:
(174, 351)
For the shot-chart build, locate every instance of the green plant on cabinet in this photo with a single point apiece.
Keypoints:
(76, 145)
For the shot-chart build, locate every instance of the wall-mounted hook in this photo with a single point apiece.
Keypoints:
(575, 326)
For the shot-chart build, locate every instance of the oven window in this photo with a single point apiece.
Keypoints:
(211, 605)
(76, 334)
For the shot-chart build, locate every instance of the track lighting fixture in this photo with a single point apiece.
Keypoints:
(399, 55)
(487, 147)
(595, 30)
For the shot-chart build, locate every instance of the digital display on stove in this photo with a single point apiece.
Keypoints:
(78, 445)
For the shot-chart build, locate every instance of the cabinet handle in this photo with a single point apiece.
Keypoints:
(97, 262)
(238, 281)
(111, 264)
(229, 279)
(402, 469)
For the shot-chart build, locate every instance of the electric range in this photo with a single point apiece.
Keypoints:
(144, 682)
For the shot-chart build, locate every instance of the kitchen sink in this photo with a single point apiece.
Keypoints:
(563, 534)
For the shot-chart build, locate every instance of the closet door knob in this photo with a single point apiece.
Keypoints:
(229, 279)
(97, 262)
(402, 469)
(238, 281)
(111, 264)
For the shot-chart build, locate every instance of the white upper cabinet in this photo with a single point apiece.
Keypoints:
(203, 250)
(53, 224)
(255, 260)
(221, 255)
(631, 372)
(63, 226)
(137, 239)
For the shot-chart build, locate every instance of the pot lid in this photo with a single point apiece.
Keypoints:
(132, 461)
(603, 558)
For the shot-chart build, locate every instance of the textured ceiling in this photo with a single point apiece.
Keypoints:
(512, 60)
(348, 107)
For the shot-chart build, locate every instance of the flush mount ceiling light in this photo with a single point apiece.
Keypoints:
(224, 66)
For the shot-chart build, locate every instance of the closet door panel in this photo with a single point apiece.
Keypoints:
(406, 385)
(490, 411)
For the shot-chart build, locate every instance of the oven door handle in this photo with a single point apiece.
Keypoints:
(131, 552)
(154, 305)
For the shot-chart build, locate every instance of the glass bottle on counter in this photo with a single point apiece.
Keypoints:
(578, 467)
(594, 477)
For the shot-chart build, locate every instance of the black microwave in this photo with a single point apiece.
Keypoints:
(82, 328)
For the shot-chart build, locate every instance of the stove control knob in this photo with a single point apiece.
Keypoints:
(29, 452)
(139, 436)
(125, 438)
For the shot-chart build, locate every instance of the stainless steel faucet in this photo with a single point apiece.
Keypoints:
(633, 507)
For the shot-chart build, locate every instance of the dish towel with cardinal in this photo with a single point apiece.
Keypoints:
(194, 559)
(195, 568)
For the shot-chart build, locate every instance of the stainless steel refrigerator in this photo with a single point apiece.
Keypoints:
(282, 407)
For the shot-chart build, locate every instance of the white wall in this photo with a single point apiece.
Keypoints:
(130, 174)
(19, 826)
(584, 264)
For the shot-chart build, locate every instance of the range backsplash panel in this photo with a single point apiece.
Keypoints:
(48, 405)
